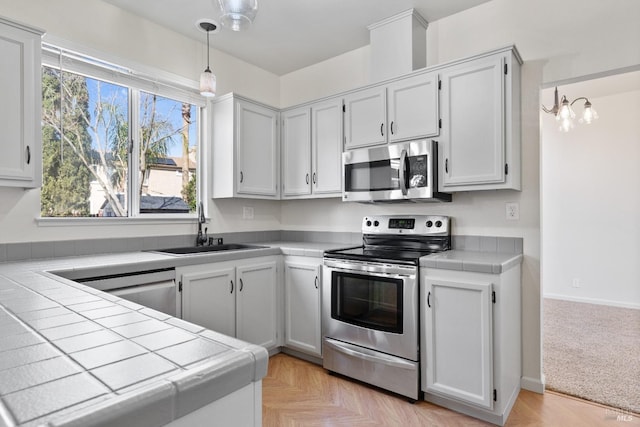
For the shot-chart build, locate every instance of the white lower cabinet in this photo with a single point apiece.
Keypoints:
(236, 298)
(470, 341)
(302, 304)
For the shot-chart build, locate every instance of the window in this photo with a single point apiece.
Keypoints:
(115, 144)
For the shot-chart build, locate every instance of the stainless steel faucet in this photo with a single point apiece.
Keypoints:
(202, 238)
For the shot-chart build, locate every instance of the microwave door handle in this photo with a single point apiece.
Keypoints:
(402, 172)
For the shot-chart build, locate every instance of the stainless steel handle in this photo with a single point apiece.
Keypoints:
(391, 128)
(363, 354)
(241, 285)
(316, 282)
(28, 154)
(314, 178)
(381, 129)
(231, 287)
(377, 269)
(307, 178)
(241, 176)
(402, 172)
(429, 299)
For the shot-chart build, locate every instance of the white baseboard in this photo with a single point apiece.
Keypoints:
(593, 301)
(535, 385)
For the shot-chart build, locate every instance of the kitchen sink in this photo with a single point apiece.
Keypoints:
(213, 248)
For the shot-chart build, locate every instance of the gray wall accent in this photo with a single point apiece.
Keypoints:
(40, 250)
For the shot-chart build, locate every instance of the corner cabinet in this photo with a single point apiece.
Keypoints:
(235, 298)
(480, 112)
(312, 150)
(302, 279)
(470, 341)
(245, 149)
(20, 109)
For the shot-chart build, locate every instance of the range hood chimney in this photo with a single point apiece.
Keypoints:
(398, 45)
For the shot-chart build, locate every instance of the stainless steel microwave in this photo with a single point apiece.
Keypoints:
(405, 171)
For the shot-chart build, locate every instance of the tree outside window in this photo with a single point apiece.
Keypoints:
(89, 138)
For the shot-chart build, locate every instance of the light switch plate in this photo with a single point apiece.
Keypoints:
(247, 212)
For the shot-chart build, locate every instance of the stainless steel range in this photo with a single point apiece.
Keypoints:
(370, 300)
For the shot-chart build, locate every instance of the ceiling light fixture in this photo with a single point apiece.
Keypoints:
(565, 114)
(238, 14)
(207, 78)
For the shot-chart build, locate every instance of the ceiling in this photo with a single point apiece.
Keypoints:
(289, 34)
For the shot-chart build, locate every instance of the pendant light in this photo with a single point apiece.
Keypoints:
(207, 78)
(238, 14)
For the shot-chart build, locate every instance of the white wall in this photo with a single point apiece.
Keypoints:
(557, 40)
(103, 28)
(591, 203)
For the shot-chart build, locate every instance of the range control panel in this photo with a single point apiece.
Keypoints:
(423, 225)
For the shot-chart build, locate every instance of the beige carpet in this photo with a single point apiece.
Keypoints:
(593, 352)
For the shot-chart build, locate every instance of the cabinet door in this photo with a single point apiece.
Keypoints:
(296, 152)
(20, 109)
(413, 107)
(257, 304)
(326, 140)
(209, 299)
(257, 139)
(302, 306)
(458, 359)
(473, 131)
(365, 118)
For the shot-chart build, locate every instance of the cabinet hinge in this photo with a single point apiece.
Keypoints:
(439, 84)
(506, 168)
(439, 123)
(505, 68)
(493, 297)
(495, 395)
(180, 286)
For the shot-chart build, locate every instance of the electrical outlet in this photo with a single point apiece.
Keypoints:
(513, 211)
(576, 283)
(247, 212)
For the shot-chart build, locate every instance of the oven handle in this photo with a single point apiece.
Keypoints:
(360, 353)
(374, 268)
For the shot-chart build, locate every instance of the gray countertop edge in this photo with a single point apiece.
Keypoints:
(472, 261)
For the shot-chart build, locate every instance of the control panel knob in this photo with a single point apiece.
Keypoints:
(429, 224)
(376, 223)
(438, 224)
(368, 223)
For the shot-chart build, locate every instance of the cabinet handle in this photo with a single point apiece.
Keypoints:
(446, 165)
(316, 282)
(231, 287)
(381, 129)
(241, 176)
(307, 178)
(241, 285)
(391, 128)
(28, 154)
(428, 299)
(314, 177)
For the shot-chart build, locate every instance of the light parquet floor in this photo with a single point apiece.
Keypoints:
(299, 393)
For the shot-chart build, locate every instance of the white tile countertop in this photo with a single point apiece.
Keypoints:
(73, 355)
(476, 261)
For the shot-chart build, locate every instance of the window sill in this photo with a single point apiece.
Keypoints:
(109, 221)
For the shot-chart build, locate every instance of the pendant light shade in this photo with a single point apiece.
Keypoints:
(238, 14)
(207, 78)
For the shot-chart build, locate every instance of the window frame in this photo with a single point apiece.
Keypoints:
(136, 78)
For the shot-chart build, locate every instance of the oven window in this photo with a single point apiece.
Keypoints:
(369, 301)
(376, 175)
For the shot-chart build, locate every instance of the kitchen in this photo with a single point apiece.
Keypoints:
(489, 26)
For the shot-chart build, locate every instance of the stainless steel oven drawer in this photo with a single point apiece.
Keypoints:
(372, 367)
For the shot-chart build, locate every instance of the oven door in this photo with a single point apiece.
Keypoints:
(372, 305)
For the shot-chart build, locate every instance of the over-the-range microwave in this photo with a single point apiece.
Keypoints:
(405, 171)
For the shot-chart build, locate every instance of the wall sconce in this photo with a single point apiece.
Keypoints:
(565, 114)
(207, 78)
(238, 14)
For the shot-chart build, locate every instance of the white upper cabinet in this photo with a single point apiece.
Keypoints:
(245, 145)
(413, 107)
(296, 152)
(312, 150)
(20, 109)
(365, 118)
(480, 135)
